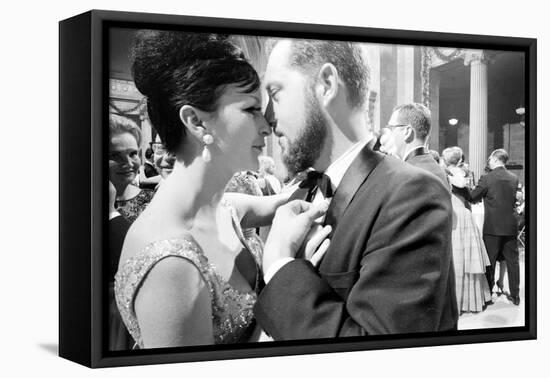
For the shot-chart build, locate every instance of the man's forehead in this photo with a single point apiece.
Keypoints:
(278, 61)
(396, 117)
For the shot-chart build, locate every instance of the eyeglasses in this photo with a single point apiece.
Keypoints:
(158, 148)
(391, 127)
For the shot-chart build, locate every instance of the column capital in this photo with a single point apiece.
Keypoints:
(471, 56)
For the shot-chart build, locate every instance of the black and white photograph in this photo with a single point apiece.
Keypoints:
(266, 189)
(274, 189)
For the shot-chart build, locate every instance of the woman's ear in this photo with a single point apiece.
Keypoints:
(192, 120)
(327, 81)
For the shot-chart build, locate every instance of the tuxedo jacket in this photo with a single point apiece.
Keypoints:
(498, 190)
(427, 162)
(388, 267)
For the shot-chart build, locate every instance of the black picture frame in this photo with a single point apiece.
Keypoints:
(83, 96)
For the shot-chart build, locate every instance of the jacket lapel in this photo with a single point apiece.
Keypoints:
(354, 177)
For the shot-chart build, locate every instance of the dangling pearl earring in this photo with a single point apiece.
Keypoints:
(207, 139)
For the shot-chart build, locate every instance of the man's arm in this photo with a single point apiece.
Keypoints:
(480, 190)
(401, 286)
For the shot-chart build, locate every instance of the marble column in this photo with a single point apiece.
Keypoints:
(146, 132)
(477, 158)
(405, 74)
(434, 141)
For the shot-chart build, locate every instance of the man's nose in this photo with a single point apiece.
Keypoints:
(269, 114)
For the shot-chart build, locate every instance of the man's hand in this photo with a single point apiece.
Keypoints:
(292, 222)
(316, 243)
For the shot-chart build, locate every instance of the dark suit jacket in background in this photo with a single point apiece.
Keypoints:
(498, 190)
(118, 228)
(428, 163)
(388, 267)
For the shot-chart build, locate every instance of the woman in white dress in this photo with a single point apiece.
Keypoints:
(469, 254)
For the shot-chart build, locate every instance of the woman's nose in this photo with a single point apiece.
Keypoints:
(265, 129)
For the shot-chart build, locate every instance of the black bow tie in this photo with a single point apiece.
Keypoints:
(314, 181)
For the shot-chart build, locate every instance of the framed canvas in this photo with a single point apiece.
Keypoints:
(410, 259)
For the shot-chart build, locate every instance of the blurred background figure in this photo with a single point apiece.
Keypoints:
(126, 201)
(246, 182)
(119, 338)
(435, 155)
(149, 169)
(163, 160)
(406, 136)
(266, 179)
(148, 174)
(124, 164)
(469, 254)
(498, 189)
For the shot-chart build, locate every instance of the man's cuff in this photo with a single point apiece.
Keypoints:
(274, 268)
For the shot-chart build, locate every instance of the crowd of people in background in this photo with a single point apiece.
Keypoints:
(476, 247)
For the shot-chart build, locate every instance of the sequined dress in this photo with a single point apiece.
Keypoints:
(130, 209)
(232, 315)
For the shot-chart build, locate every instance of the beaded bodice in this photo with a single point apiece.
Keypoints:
(232, 314)
(231, 309)
(132, 208)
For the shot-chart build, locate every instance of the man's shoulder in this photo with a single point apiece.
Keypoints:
(512, 175)
(500, 173)
(396, 170)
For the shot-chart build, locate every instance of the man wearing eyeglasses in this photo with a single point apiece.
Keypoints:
(406, 136)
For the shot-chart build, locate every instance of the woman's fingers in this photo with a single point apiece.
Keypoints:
(317, 256)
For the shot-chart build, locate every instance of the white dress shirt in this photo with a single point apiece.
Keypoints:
(335, 172)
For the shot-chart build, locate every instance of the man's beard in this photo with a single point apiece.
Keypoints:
(306, 149)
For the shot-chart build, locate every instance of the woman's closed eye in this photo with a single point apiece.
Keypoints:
(255, 110)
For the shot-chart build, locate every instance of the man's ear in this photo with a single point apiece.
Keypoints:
(409, 134)
(192, 120)
(327, 83)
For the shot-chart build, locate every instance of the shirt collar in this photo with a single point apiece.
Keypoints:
(412, 150)
(339, 167)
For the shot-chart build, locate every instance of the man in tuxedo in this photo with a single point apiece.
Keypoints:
(388, 267)
(498, 190)
(407, 133)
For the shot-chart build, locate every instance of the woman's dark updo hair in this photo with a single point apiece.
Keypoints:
(174, 68)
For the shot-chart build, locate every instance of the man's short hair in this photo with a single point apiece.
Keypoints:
(418, 116)
(501, 155)
(309, 55)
